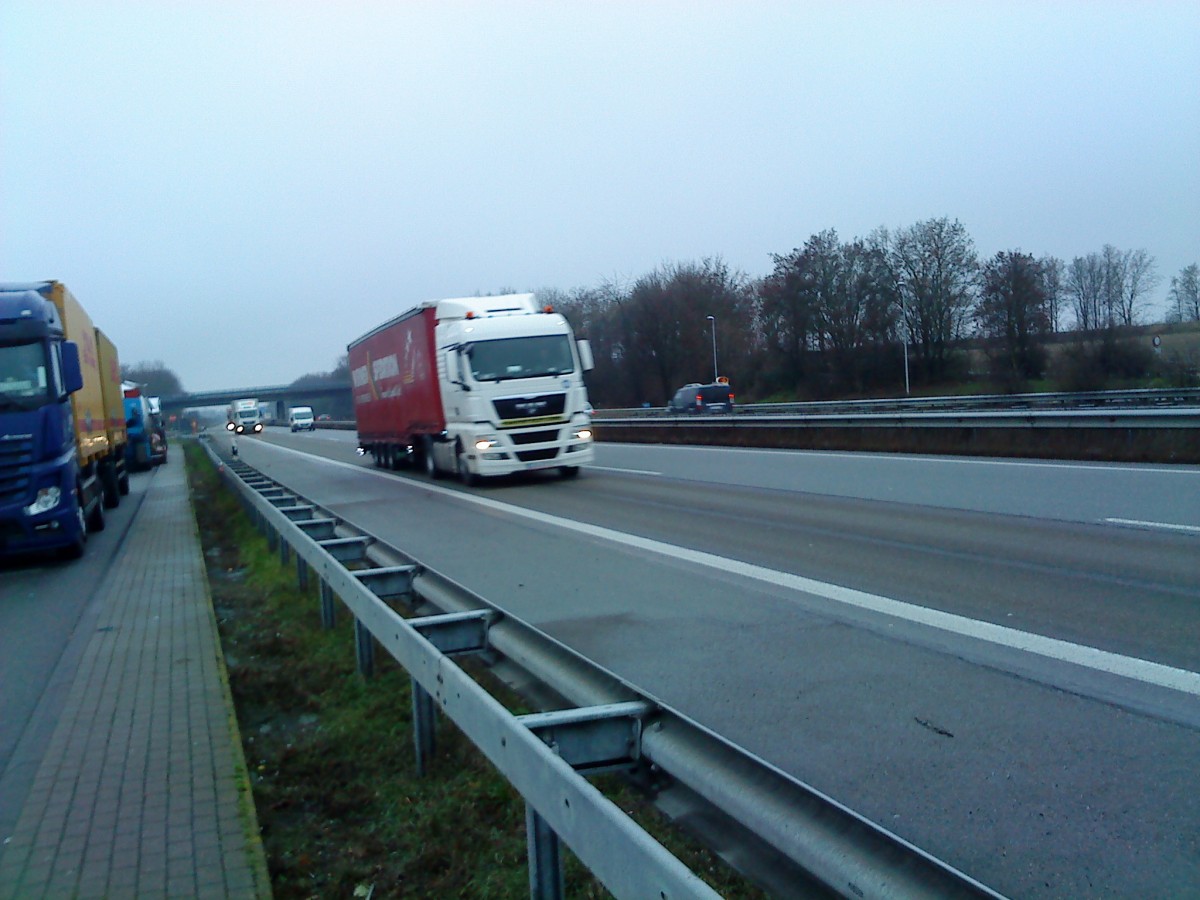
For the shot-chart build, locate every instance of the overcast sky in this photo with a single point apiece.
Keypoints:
(241, 188)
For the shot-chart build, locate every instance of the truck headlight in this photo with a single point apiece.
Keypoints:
(47, 498)
(583, 434)
(229, 426)
(257, 427)
(486, 443)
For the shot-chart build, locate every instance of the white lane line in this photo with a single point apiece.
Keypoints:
(625, 471)
(1088, 657)
(1162, 526)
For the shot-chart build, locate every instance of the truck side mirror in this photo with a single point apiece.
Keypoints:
(585, 355)
(72, 374)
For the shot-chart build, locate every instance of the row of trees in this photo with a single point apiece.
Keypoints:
(840, 317)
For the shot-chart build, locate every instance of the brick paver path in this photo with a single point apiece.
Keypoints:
(137, 794)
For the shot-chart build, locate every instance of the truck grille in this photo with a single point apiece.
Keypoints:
(16, 463)
(512, 410)
(541, 436)
(537, 455)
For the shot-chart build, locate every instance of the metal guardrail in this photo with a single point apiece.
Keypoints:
(1171, 417)
(809, 838)
(1141, 398)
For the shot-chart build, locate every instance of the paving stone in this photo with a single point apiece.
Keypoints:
(136, 792)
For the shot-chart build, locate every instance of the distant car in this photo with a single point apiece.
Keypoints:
(702, 398)
(324, 417)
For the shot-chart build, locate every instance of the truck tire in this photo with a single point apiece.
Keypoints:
(74, 550)
(123, 482)
(568, 471)
(95, 519)
(465, 475)
(431, 466)
(109, 486)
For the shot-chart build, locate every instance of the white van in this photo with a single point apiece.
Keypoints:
(300, 418)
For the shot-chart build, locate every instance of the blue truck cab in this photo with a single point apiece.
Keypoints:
(147, 444)
(42, 505)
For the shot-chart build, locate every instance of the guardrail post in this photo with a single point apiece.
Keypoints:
(364, 649)
(302, 573)
(328, 607)
(424, 722)
(285, 549)
(545, 858)
(272, 534)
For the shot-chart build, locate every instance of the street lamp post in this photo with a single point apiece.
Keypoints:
(714, 342)
(900, 287)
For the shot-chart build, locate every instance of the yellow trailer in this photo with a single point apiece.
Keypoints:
(113, 473)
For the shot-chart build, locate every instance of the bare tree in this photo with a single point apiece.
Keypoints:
(1053, 286)
(154, 377)
(1109, 288)
(788, 313)
(1085, 285)
(665, 326)
(937, 262)
(1140, 277)
(1185, 294)
(1012, 310)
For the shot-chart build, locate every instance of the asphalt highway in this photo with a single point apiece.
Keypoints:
(996, 660)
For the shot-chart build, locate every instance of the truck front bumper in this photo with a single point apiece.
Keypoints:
(509, 452)
(22, 533)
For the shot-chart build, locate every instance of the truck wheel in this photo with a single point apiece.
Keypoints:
(123, 482)
(95, 519)
(568, 471)
(431, 467)
(111, 490)
(465, 475)
(74, 550)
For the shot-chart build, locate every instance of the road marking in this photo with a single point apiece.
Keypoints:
(1164, 526)
(1129, 667)
(625, 471)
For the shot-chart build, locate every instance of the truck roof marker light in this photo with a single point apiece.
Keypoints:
(547, 308)
(470, 314)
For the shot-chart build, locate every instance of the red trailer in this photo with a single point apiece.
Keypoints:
(397, 399)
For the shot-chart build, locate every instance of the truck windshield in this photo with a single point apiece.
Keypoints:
(524, 357)
(24, 378)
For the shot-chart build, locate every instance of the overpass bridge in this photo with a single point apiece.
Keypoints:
(322, 396)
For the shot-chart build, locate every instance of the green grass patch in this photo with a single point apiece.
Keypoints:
(330, 754)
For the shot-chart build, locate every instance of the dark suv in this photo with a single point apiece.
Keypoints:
(702, 398)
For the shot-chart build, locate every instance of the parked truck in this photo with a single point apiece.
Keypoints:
(477, 386)
(244, 417)
(147, 445)
(62, 421)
